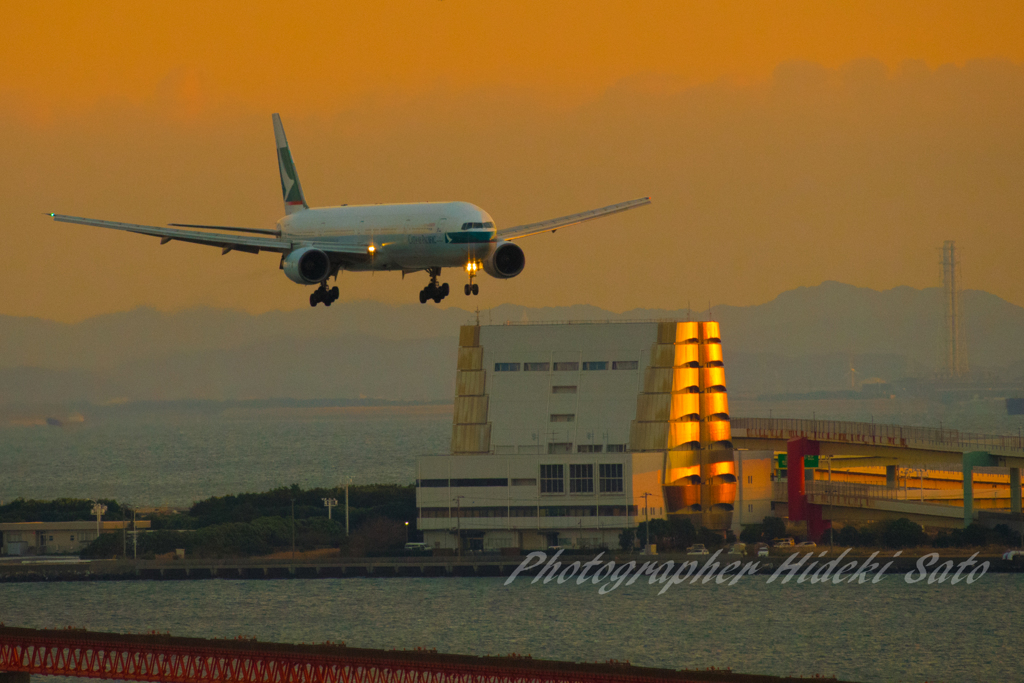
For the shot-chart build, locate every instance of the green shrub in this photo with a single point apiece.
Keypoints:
(848, 537)
(752, 533)
(902, 533)
(772, 528)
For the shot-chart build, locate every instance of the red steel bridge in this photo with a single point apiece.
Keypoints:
(168, 659)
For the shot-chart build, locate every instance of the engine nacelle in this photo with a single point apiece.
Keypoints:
(307, 266)
(507, 260)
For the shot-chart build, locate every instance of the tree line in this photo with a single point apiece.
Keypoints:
(248, 524)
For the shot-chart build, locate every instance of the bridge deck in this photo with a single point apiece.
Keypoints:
(877, 440)
(168, 659)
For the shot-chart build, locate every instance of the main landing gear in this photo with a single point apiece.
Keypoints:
(433, 290)
(323, 295)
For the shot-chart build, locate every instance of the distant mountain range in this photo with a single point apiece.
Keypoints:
(803, 340)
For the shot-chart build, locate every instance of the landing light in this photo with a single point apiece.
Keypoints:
(371, 248)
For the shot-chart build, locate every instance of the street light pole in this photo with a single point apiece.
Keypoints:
(293, 528)
(329, 503)
(346, 504)
(407, 533)
(647, 524)
(830, 515)
(458, 524)
(98, 509)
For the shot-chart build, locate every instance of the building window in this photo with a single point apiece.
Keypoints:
(567, 367)
(72, 538)
(536, 367)
(616, 448)
(562, 447)
(596, 365)
(750, 479)
(610, 478)
(589, 448)
(624, 365)
(750, 508)
(479, 482)
(552, 479)
(524, 482)
(506, 367)
(581, 478)
(563, 390)
(433, 483)
(563, 417)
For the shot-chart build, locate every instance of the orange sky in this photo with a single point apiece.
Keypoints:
(783, 142)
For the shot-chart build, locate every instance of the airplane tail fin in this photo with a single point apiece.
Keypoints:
(294, 200)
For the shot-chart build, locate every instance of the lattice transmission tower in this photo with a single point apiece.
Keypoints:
(955, 343)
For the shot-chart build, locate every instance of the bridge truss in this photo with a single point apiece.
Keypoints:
(166, 659)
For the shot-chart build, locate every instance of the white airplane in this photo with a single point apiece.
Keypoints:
(316, 244)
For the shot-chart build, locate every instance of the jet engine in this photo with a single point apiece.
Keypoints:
(307, 266)
(507, 260)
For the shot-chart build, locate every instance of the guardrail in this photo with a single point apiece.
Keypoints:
(875, 434)
(836, 490)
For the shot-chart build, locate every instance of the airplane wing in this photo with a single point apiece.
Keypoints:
(247, 243)
(519, 231)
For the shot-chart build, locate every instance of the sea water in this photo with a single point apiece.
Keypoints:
(889, 631)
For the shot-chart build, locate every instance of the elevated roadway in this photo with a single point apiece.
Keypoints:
(863, 444)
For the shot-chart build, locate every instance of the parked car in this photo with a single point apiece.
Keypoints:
(738, 549)
(762, 551)
(697, 549)
(806, 544)
(784, 542)
(416, 546)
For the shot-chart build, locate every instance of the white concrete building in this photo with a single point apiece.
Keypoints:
(566, 434)
(47, 538)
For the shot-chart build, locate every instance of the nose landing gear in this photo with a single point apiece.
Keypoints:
(433, 290)
(471, 288)
(323, 295)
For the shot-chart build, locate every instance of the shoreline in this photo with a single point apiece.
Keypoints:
(405, 567)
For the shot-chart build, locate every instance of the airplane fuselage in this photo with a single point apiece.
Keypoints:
(403, 236)
(316, 244)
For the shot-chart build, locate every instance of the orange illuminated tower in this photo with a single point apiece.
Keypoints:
(683, 410)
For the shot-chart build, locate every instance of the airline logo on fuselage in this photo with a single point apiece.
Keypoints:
(468, 236)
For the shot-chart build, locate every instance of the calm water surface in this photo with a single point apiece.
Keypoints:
(885, 632)
(165, 457)
(178, 458)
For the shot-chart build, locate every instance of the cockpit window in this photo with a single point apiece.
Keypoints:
(489, 225)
